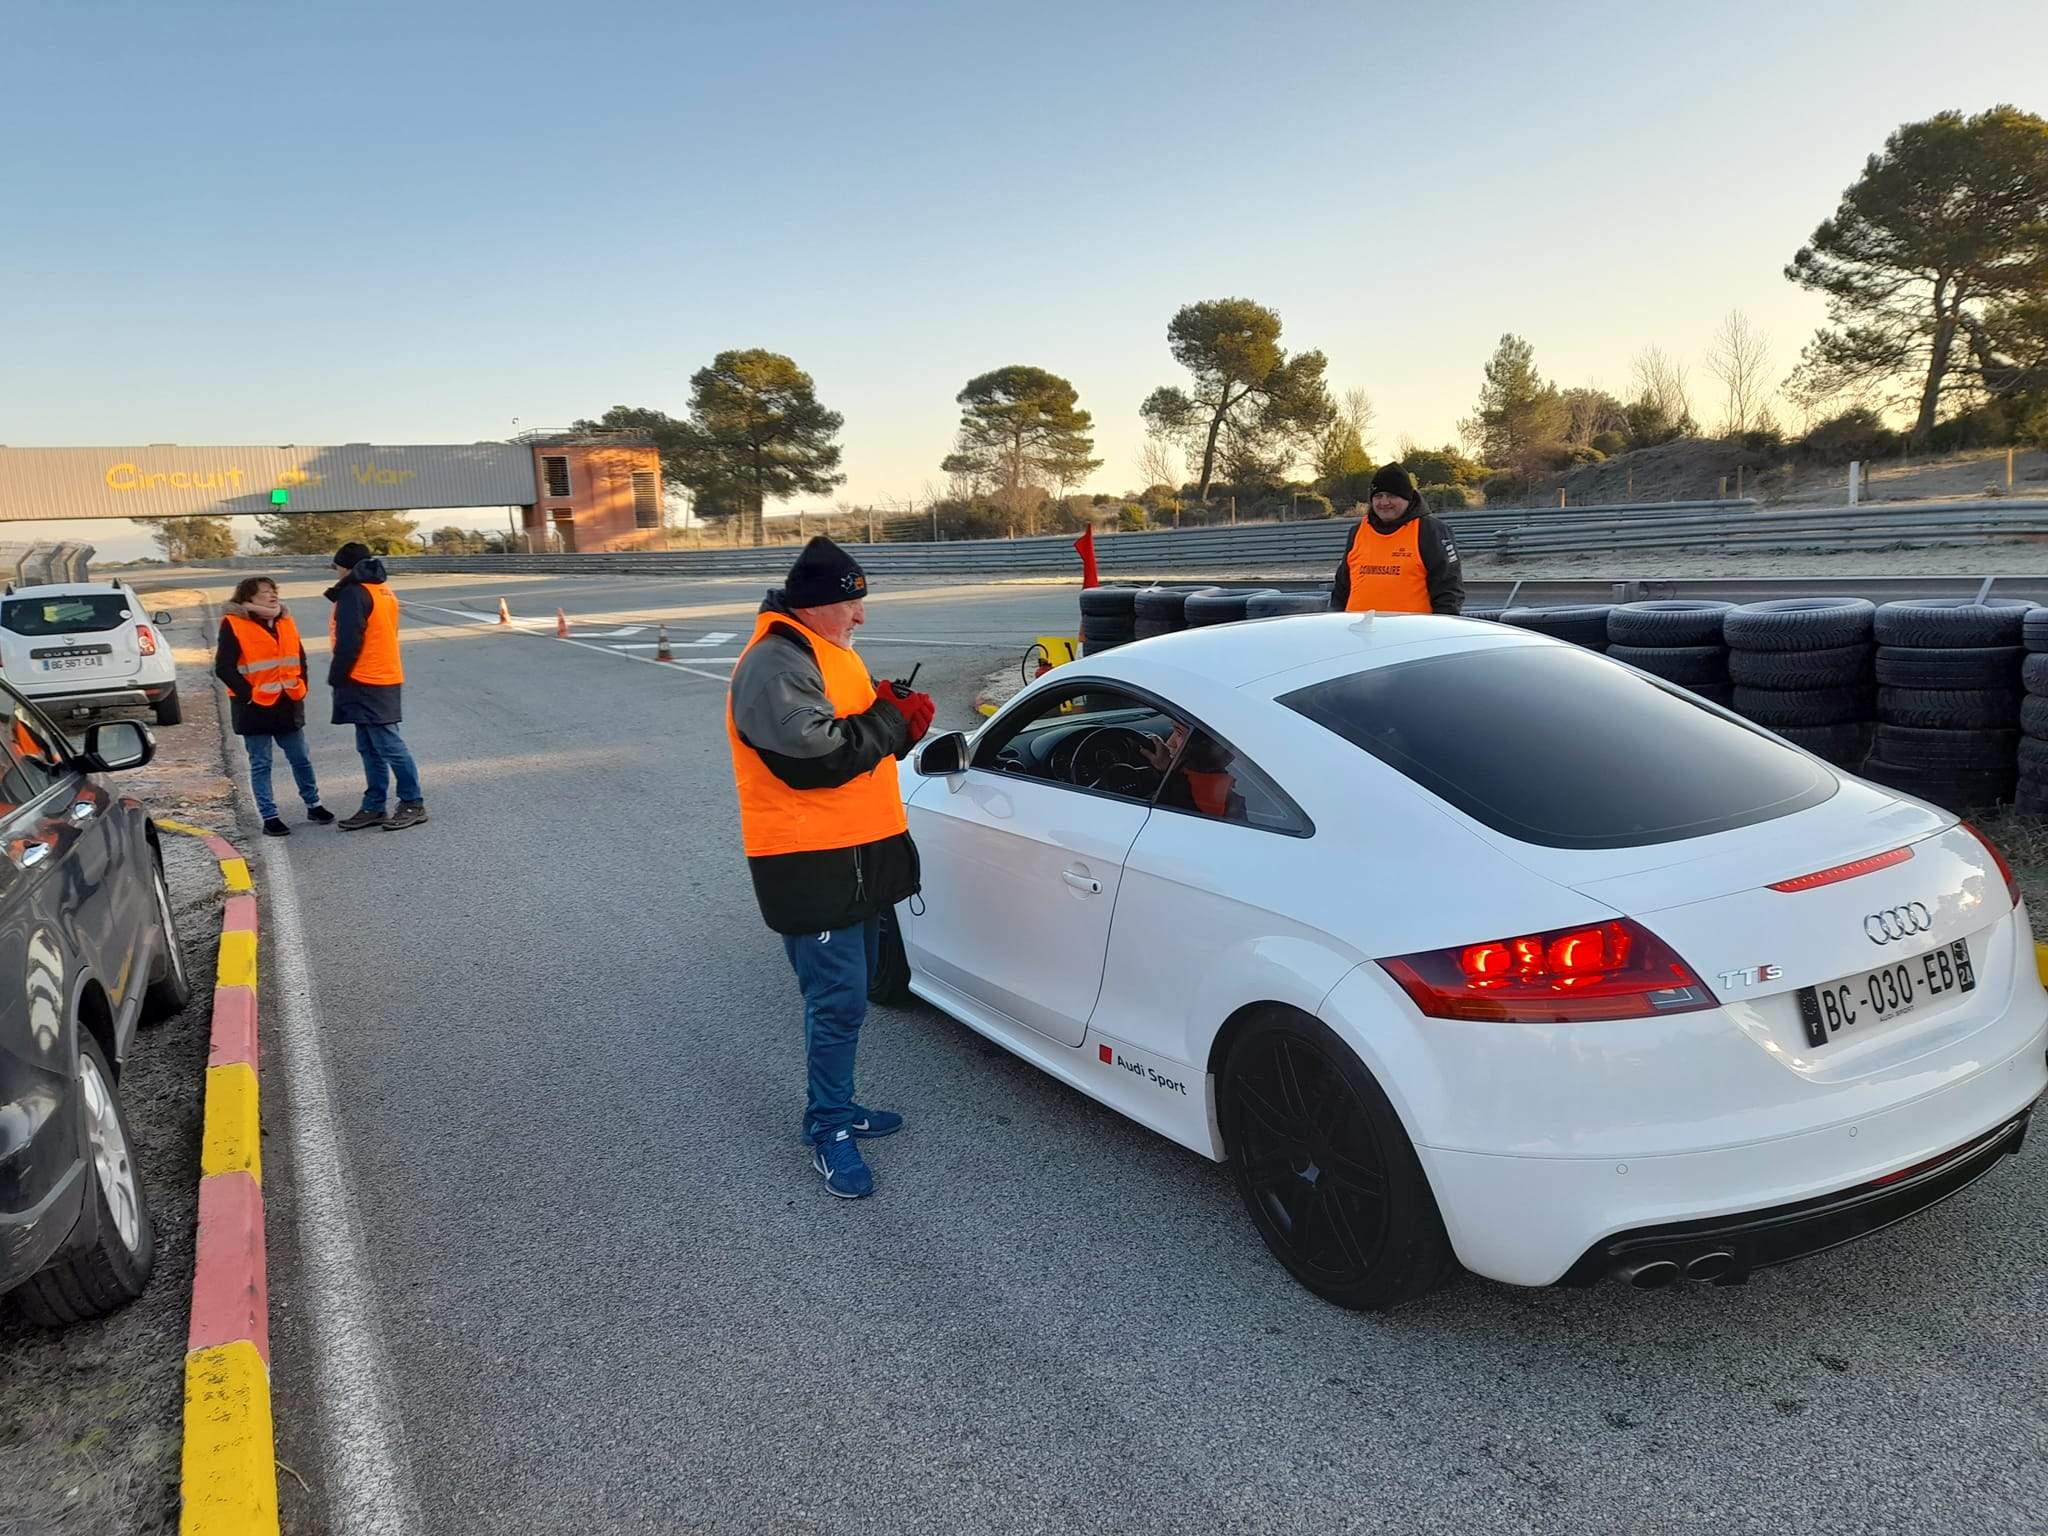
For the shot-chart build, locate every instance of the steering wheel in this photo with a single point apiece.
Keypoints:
(1110, 757)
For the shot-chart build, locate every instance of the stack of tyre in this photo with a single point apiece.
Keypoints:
(1679, 641)
(1580, 623)
(1159, 611)
(1274, 605)
(2031, 792)
(1949, 691)
(1108, 618)
(1801, 668)
(1221, 605)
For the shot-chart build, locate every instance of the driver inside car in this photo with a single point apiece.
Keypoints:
(1197, 770)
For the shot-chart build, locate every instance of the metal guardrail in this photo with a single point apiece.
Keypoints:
(1311, 546)
(1872, 525)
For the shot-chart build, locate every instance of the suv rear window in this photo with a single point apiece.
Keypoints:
(72, 614)
(1557, 746)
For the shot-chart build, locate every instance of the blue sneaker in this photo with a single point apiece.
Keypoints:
(838, 1163)
(868, 1123)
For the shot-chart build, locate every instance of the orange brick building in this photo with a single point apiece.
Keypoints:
(595, 494)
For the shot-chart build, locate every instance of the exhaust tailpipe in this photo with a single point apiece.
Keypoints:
(1650, 1276)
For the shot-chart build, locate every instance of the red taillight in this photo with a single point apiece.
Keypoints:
(1612, 970)
(1839, 872)
(2012, 886)
(146, 638)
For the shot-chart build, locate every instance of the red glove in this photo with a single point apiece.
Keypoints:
(918, 710)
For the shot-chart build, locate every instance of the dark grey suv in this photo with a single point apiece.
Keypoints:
(88, 950)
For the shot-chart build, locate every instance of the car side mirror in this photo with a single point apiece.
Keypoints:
(162, 617)
(943, 755)
(114, 746)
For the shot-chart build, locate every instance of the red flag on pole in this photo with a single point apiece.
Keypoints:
(1085, 546)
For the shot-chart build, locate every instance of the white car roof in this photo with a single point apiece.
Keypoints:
(1235, 655)
(73, 589)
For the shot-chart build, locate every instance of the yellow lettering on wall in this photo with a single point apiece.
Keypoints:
(128, 477)
(120, 477)
(371, 474)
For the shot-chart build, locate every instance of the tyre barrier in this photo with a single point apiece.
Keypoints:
(1679, 641)
(1160, 611)
(1800, 666)
(1221, 605)
(1581, 623)
(1108, 618)
(1275, 605)
(2030, 790)
(1950, 685)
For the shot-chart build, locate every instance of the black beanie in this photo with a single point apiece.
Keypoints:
(823, 574)
(351, 555)
(1396, 481)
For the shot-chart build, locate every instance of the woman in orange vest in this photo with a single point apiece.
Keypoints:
(261, 662)
(814, 749)
(1401, 558)
(367, 678)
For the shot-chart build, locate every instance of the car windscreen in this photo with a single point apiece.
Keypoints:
(79, 613)
(1553, 745)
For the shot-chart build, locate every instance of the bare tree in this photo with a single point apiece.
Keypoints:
(1355, 411)
(1660, 379)
(1740, 357)
(1158, 462)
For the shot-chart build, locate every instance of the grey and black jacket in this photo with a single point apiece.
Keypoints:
(780, 709)
(1439, 562)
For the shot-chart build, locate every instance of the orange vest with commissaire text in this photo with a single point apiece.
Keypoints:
(774, 818)
(1387, 573)
(269, 662)
(377, 664)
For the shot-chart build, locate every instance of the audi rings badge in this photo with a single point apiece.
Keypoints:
(1895, 923)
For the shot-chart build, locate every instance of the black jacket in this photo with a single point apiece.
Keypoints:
(250, 718)
(780, 710)
(1439, 562)
(358, 703)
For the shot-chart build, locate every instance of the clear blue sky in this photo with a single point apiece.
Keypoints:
(262, 223)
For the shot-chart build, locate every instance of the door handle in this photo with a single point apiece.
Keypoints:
(83, 810)
(1080, 882)
(32, 855)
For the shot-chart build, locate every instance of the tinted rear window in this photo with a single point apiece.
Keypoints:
(1555, 745)
(84, 613)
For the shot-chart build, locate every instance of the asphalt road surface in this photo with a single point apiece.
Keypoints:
(547, 1255)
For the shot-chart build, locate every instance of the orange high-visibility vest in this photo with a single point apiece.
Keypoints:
(378, 663)
(270, 662)
(1387, 573)
(774, 818)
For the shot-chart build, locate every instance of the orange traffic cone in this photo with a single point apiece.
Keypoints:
(662, 652)
(504, 613)
(561, 625)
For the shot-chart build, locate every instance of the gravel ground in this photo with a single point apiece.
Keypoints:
(91, 1417)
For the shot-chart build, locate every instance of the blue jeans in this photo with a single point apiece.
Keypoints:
(385, 757)
(294, 745)
(832, 968)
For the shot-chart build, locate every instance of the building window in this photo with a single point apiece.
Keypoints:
(557, 472)
(646, 500)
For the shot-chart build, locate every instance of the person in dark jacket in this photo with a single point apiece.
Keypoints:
(261, 662)
(814, 748)
(367, 678)
(1401, 558)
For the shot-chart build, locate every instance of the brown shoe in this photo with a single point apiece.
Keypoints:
(360, 820)
(406, 816)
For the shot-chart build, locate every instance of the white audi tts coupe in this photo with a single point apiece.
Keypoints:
(1462, 944)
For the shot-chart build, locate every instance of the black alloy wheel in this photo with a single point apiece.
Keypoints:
(1324, 1168)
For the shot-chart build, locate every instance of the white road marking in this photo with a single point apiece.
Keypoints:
(607, 634)
(602, 650)
(718, 637)
(369, 1483)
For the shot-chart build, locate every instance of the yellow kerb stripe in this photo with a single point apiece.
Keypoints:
(232, 1138)
(236, 873)
(230, 1471)
(237, 966)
